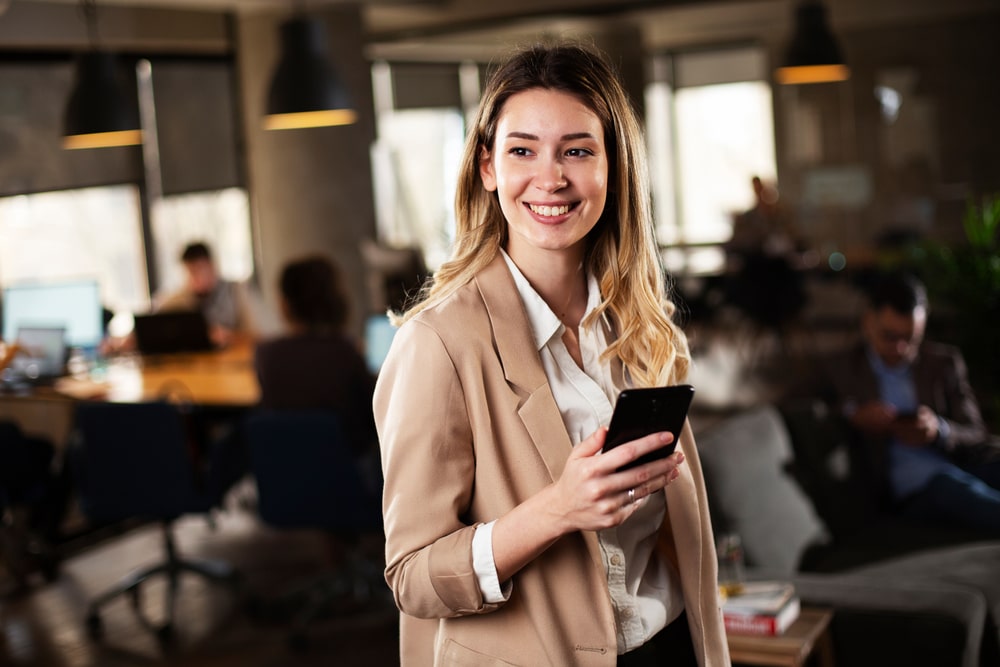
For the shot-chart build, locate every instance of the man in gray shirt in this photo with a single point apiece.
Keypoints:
(225, 304)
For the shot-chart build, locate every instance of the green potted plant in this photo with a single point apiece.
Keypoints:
(963, 281)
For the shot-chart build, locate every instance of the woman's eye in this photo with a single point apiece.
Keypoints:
(519, 151)
(579, 152)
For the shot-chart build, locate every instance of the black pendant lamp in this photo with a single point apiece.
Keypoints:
(99, 113)
(813, 55)
(305, 89)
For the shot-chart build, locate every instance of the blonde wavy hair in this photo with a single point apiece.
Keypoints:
(621, 249)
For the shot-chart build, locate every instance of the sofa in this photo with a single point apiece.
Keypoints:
(783, 478)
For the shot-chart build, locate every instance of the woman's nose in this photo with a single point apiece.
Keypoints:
(550, 177)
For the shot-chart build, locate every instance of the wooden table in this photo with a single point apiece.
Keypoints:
(223, 378)
(809, 631)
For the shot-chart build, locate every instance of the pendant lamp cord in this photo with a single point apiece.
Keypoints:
(89, 10)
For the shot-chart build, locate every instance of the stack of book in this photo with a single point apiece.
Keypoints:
(761, 608)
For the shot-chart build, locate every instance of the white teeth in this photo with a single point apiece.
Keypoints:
(549, 211)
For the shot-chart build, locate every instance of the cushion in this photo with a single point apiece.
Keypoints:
(973, 566)
(744, 459)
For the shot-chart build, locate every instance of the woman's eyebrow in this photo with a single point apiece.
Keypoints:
(565, 137)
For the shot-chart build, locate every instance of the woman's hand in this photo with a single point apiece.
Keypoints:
(591, 494)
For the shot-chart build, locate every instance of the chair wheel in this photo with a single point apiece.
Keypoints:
(95, 629)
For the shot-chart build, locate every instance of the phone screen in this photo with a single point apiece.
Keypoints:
(639, 412)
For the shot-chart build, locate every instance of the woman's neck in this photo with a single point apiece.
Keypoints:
(561, 282)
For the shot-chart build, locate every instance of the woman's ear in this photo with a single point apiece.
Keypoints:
(486, 170)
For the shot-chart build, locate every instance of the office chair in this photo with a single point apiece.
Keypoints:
(27, 495)
(308, 476)
(134, 461)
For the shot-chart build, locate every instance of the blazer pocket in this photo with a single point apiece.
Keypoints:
(454, 654)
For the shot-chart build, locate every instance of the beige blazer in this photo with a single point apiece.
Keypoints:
(469, 429)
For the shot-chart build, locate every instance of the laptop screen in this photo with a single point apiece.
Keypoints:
(74, 306)
(170, 332)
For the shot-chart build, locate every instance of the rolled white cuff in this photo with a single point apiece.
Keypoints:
(485, 567)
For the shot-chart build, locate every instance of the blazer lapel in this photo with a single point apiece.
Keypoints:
(682, 513)
(522, 366)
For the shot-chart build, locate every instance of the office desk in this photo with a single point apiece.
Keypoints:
(223, 378)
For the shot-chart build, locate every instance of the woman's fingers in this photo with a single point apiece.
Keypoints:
(592, 444)
(592, 493)
(641, 483)
(634, 449)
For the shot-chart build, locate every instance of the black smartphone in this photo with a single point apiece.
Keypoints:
(639, 412)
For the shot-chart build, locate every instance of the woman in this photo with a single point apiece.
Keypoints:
(510, 537)
(313, 367)
(316, 366)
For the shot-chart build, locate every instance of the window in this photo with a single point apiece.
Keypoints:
(415, 163)
(73, 234)
(710, 130)
(220, 218)
(416, 157)
(96, 233)
(75, 215)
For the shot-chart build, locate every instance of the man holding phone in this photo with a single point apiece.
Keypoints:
(910, 402)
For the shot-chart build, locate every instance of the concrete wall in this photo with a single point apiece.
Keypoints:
(311, 189)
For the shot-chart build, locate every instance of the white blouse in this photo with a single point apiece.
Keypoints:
(644, 589)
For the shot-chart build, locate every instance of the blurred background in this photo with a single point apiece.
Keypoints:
(890, 159)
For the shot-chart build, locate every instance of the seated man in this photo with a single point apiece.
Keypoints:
(227, 305)
(911, 404)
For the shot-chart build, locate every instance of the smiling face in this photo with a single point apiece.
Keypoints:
(549, 168)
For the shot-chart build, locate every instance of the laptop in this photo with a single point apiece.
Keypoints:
(167, 333)
(42, 357)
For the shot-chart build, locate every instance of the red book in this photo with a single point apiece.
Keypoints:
(762, 608)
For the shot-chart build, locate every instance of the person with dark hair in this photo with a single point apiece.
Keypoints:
(316, 365)
(511, 537)
(227, 305)
(313, 366)
(910, 403)
(312, 296)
